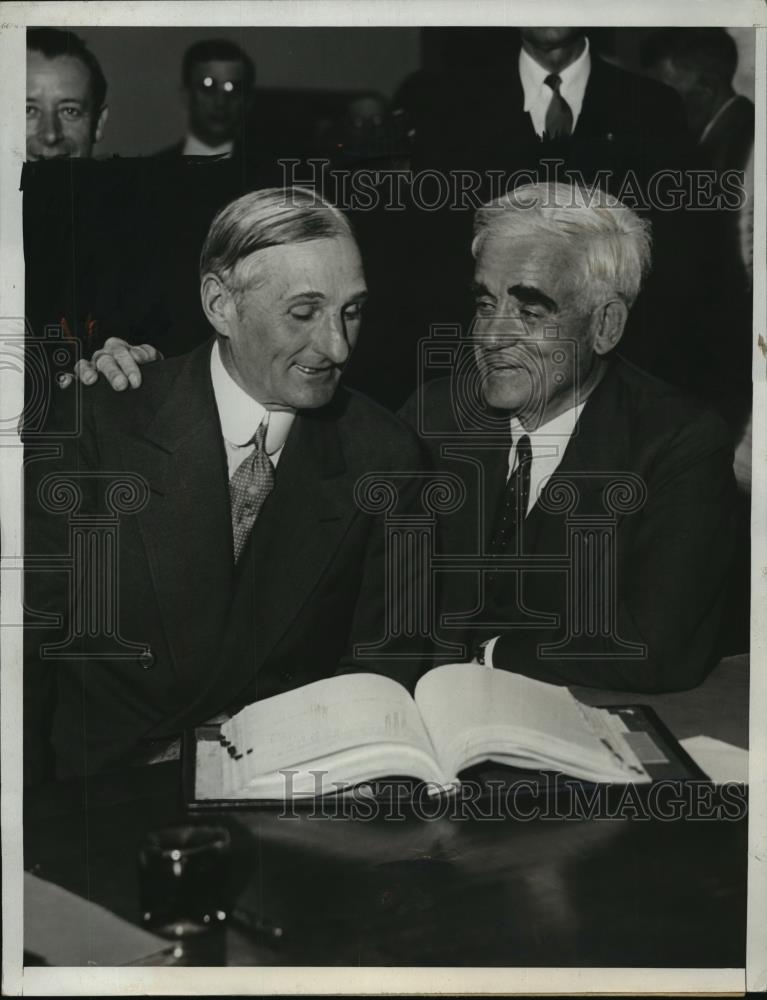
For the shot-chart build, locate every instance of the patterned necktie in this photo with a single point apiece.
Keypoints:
(511, 513)
(249, 487)
(559, 116)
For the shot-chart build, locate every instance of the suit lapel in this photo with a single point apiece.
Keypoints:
(595, 455)
(186, 527)
(596, 117)
(301, 526)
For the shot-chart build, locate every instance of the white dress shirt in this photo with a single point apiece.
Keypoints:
(241, 416)
(547, 445)
(195, 147)
(538, 95)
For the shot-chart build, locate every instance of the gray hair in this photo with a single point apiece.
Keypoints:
(268, 218)
(609, 241)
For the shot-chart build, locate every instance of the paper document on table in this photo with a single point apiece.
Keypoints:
(719, 760)
(64, 929)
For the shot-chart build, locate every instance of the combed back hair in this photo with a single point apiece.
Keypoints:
(268, 218)
(711, 53)
(610, 242)
(53, 42)
(219, 49)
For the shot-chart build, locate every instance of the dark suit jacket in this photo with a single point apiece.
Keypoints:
(672, 554)
(207, 636)
(626, 122)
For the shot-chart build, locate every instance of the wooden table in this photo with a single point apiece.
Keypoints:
(461, 892)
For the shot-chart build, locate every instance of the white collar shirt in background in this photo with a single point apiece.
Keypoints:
(195, 147)
(538, 95)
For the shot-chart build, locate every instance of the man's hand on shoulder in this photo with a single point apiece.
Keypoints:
(117, 361)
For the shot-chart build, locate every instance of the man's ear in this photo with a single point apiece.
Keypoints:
(217, 303)
(609, 322)
(101, 121)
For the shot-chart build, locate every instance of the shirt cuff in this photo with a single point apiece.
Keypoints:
(488, 652)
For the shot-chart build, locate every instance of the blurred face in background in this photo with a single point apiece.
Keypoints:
(61, 118)
(548, 39)
(699, 96)
(216, 100)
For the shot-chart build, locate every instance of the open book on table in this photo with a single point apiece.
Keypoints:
(346, 730)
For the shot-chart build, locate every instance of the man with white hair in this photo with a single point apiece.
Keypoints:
(597, 530)
(243, 566)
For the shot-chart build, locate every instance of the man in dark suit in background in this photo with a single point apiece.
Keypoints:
(243, 566)
(218, 80)
(612, 490)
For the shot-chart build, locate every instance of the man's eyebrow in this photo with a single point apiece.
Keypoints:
(479, 289)
(532, 296)
(312, 296)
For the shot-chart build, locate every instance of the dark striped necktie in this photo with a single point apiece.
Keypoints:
(513, 508)
(559, 115)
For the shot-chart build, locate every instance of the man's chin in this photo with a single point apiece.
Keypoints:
(507, 392)
(312, 397)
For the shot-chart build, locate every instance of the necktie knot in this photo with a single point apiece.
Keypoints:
(559, 115)
(259, 438)
(553, 80)
(524, 451)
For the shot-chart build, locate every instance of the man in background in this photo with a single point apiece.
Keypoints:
(700, 63)
(217, 79)
(66, 96)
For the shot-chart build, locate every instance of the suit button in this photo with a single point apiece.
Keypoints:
(146, 658)
(287, 676)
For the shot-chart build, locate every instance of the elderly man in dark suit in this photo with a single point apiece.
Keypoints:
(594, 518)
(596, 532)
(242, 565)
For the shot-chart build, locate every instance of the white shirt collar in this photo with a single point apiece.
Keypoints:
(196, 147)
(573, 87)
(240, 414)
(560, 426)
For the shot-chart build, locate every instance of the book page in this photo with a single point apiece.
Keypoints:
(317, 720)
(473, 712)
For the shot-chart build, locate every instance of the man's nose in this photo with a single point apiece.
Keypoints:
(500, 331)
(49, 130)
(332, 341)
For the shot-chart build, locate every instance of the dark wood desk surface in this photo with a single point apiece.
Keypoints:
(455, 892)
